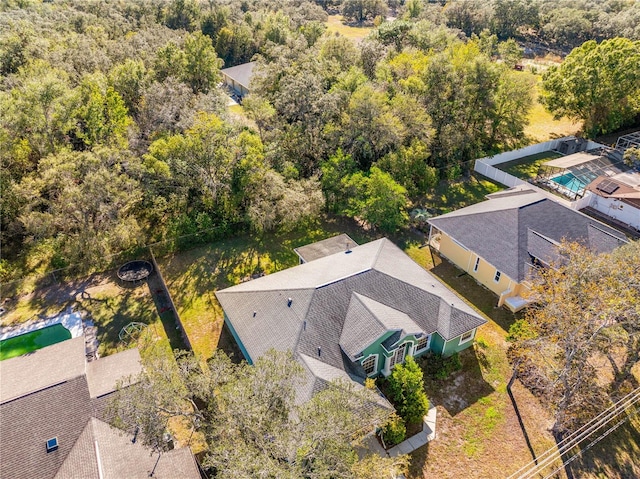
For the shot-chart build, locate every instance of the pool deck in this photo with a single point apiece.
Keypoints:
(71, 321)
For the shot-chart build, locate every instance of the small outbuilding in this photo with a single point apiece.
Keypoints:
(238, 78)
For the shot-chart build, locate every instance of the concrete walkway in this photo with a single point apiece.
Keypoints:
(427, 434)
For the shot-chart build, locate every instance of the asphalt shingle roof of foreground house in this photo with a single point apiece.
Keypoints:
(54, 393)
(326, 310)
(514, 225)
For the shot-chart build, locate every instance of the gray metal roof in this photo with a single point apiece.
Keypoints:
(321, 292)
(326, 247)
(240, 73)
(498, 229)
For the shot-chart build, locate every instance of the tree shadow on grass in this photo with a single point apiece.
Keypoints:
(479, 296)
(462, 388)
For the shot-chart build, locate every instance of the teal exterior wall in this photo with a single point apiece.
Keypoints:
(378, 349)
(447, 348)
(238, 342)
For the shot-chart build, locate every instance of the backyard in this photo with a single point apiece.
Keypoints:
(527, 167)
(102, 300)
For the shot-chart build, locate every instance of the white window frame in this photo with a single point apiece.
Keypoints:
(477, 263)
(375, 364)
(497, 276)
(392, 360)
(428, 343)
(472, 334)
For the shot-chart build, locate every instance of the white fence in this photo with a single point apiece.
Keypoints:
(500, 176)
(485, 166)
(522, 152)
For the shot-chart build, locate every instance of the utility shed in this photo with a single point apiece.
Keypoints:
(238, 78)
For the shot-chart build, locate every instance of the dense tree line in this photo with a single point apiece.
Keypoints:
(561, 24)
(115, 133)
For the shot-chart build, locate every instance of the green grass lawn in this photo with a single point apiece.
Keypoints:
(527, 167)
(542, 126)
(194, 275)
(25, 343)
(450, 196)
(335, 25)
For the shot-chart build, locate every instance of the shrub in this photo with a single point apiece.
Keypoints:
(406, 384)
(394, 431)
(436, 366)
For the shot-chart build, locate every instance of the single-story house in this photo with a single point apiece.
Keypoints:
(351, 314)
(238, 78)
(53, 424)
(497, 241)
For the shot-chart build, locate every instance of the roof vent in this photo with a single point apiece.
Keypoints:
(289, 302)
(52, 444)
(319, 351)
(254, 313)
(304, 325)
(348, 250)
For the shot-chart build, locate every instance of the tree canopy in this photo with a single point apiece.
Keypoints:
(597, 83)
(251, 420)
(585, 320)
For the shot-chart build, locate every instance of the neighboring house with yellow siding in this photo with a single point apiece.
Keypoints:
(499, 240)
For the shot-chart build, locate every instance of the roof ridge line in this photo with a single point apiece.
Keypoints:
(546, 238)
(372, 313)
(303, 323)
(342, 278)
(607, 233)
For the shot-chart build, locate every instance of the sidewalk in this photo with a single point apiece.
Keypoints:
(427, 434)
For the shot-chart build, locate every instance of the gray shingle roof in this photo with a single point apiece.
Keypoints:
(240, 73)
(368, 320)
(326, 247)
(42, 368)
(321, 292)
(60, 411)
(120, 458)
(498, 230)
(61, 405)
(103, 375)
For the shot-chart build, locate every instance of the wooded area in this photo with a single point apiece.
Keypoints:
(115, 133)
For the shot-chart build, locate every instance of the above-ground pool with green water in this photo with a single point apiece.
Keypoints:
(25, 343)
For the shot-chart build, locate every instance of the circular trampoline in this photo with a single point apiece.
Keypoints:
(135, 271)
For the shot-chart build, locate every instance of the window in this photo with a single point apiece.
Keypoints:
(422, 344)
(370, 364)
(398, 356)
(496, 278)
(475, 266)
(467, 336)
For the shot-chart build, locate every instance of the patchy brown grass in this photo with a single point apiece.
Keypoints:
(479, 435)
(100, 299)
